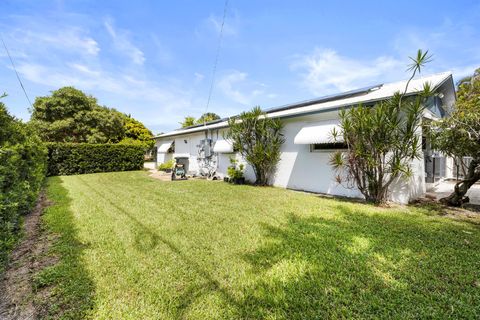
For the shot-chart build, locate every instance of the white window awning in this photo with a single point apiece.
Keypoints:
(223, 146)
(164, 147)
(321, 132)
(181, 155)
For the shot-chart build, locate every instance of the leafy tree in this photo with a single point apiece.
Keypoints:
(137, 133)
(458, 136)
(69, 115)
(188, 121)
(381, 140)
(258, 139)
(107, 125)
(207, 117)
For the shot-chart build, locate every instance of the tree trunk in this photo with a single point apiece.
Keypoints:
(458, 198)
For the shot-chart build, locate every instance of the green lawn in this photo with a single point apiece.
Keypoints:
(132, 247)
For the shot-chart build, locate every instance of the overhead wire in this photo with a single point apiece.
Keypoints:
(16, 72)
(216, 59)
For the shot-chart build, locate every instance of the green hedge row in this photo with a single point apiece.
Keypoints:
(79, 158)
(22, 171)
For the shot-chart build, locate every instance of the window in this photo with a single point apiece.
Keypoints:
(319, 147)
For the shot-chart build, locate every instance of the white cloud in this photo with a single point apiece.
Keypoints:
(84, 69)
(213, 24)
(460, 54)
(236, 86)
(123, 44)
(230, 26)
(198, 77)
(83, 77)
(66, 39)
(229, 83)
(324, 71)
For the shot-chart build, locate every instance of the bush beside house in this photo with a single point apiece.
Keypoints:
(80, 158)
(23, 159)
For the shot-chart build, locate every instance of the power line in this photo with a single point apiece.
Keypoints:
(216, 58)
(15, 69)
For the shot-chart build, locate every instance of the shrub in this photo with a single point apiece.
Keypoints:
(22, 172)
(166, 165)
(258, 139)
(382, 140)
(79, 158)
(235, 171)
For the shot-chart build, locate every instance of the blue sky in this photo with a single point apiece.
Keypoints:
(154, 59)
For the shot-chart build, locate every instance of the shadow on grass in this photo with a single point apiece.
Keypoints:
(63, 290)
(359, 265)
(145, 235)
(349, 264)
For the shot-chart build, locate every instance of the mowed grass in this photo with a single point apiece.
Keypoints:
(132, 247)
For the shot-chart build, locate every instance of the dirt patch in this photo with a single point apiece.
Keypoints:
(29, 257)
(469, 212)
(160, 175)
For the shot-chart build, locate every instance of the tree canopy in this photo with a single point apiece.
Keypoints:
(188, 121)
(69, 115)
(258, 139)
(204, 118)
(136, 132)
(458, 136)
(207, 117)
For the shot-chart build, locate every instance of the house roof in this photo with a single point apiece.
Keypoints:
(332, 102)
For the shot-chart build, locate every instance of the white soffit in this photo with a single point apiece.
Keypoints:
(316, 133)
(223, 146)
(164, 147)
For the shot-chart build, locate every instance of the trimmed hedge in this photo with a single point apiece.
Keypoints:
(80, 158)
(23, 159)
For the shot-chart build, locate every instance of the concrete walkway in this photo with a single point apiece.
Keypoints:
(160, 175)
(149, 165)
(445, 188)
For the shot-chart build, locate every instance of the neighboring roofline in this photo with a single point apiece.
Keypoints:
(207, 126)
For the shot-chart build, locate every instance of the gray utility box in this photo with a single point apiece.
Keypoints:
(205, 148)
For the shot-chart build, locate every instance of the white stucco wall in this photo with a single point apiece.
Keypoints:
(299, 168)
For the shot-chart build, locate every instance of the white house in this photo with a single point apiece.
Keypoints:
(304, 163)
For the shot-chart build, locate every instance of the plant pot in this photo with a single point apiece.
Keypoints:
(239, 180)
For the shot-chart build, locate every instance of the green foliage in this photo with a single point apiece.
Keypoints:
(136, 132)
(80, 158)
(69, 115)
(167, 165)
(240, 252)
(382, 140)
(73, 294)
(207, 117)
(188, 121)
(22, 171)
(459, 135)
(204, 118)
(235, 170)
(258, 139)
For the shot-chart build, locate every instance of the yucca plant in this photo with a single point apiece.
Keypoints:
(381, 140)
(258, 139)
